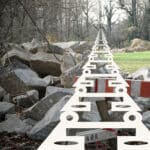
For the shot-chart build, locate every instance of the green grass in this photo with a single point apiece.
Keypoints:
(130, 62)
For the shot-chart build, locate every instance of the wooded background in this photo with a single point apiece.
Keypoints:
(65, 20)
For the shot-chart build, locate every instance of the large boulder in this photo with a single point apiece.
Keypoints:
(2, 93)
(32, 46)
(69, 60)
(36, 46)
(42, 129)
(57, 91)
(18, 78)
(46, 64)
(6, 108)
(146, 119)
(21, 55)
(53, 95)
(28, 99)
(67, 77)
(142, 74)
(13, 125)
(143, 103)
(51, 80)
(82, 46)
(66, 45)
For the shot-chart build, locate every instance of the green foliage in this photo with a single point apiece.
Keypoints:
(130, 62)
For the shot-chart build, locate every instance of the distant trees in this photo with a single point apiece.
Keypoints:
(65, 20)
(61, 20)
(138, 16)
(109, 12)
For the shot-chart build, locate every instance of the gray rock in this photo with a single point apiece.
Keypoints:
(36, 46)
(51, 80)
(42, 129)
(7, 98)
(21, 55)
(116, 116)
(30, 122)
(67, 78)
(66, 45)
(46, 64)
(20, 78)
(57, 91)
(147, 125)
(30, 78)
(32, 46)
(142, 74)
(143, 103)
(13, 124)
(93, 115)
(53, 95)
(2, 93)
(146, 117)
(28, 99)
(6, 108)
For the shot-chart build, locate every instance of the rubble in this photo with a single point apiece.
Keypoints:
(36, 46)
(42, 129)
(69, 60)
(21, 55)
(2, 93)
(53, 95)
(46, 64)
(67, 78)
(13, 124)
(141, 74)
(143, 103)
(6, 108)
(28, 99)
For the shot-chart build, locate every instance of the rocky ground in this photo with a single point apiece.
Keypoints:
(35, 83)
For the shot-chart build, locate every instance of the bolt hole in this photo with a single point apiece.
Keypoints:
(66, 143)
(69, 118)
(136, 143)
(78, 106)
(132, 118)
(80, 90)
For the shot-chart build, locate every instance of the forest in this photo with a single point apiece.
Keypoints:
(70, 20)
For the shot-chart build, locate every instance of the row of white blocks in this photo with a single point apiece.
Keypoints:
(69, 118)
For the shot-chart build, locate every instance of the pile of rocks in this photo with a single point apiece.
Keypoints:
(35, 83)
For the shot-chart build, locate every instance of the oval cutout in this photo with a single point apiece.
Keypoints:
(123, 106)
(66, 143)
(78, 106)
(136, 143)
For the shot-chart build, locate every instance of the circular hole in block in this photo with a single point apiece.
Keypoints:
(110, 59)
(132, 117)
(81, 90)
(66, 143)
(115, 71)
(69, 118)
(123, 106)
(121, 90)
(135, 143)
(78, 106)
